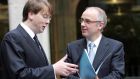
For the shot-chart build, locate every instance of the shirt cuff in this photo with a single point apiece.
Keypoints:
(54, 73)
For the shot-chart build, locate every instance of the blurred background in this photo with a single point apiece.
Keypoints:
(123, 25)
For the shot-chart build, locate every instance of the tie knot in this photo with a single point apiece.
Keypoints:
(35, 37)
(91, 45)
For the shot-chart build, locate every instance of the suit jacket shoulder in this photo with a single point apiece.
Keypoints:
(77, 42)
(13, 34)
(112, 41)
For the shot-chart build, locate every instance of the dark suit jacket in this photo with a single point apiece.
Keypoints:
(22, 58)
(109, 49)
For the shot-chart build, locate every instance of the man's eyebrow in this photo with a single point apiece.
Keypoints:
(46, 14)
(86, 19)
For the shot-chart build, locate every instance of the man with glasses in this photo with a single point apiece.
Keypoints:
(106, 55)
(22, 55)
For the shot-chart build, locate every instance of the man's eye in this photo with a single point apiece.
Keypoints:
(87, 21)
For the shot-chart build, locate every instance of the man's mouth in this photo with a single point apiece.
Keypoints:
(83, 29)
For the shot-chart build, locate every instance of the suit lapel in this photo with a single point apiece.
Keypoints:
(31, 43)
(101, 52)
(81, 46)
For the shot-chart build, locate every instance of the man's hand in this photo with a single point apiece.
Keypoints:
(63, 68)
(97, 77)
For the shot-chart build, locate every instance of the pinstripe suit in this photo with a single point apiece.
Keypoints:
(109, 50)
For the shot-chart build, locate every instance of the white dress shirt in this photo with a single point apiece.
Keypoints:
(28, 30)
(94, 49)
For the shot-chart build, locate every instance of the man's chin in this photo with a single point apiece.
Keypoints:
(85, 35)
(41, 31)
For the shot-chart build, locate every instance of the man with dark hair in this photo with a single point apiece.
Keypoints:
(22, 55)
(106, 55)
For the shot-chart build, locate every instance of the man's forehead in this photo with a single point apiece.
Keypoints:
(90, 13)
(45, 11)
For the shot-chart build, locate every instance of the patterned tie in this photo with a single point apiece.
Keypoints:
(91, 52)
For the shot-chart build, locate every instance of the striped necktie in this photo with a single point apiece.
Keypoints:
(91, 52)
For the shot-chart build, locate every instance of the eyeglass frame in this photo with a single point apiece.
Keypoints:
(87, 21)
(45, 16)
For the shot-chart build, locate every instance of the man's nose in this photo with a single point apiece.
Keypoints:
(47, 21)
(83, 23)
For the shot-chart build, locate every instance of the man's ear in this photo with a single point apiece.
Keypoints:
(101, 25)
(30, 15)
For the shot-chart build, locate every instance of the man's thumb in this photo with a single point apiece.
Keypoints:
(64, 58)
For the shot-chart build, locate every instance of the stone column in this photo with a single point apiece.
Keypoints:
(15, 17)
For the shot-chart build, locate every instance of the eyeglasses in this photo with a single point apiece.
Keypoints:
(87, 21)
(46, 17)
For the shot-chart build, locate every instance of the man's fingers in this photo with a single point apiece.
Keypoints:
(97, 77)
(64, 58)
(73, 70)
(72, 65)
(66, 73)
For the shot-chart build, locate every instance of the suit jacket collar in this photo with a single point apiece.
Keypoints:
(31, 43)
(83, 43)
(27, 29)
(81, 46)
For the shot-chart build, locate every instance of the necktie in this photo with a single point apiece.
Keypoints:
(38, 43)
(40, 47)
(91, 52)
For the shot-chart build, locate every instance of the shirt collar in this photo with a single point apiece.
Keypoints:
(96, 42)
(28, 30)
